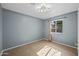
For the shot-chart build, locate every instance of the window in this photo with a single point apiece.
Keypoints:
(57, 26)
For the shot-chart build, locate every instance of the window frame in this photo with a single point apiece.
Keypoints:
(56, 25)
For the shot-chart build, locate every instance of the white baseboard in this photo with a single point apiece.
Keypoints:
(19, 46)
(65, 45)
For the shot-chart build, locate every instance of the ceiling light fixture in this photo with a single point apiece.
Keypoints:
(43, 7)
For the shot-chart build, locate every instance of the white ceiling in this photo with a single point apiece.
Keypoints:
(29, 9)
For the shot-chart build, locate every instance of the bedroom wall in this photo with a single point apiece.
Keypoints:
(45, 28)
(20, 29)
(69, 34)
(0, 28)
(78, 32)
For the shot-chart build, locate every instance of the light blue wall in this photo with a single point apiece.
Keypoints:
(46, 29)
(69, 34)
(0, 28)
(20, 29)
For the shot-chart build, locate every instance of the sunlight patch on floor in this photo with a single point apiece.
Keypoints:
(54, 52)
(43, 51)
(48, 51)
